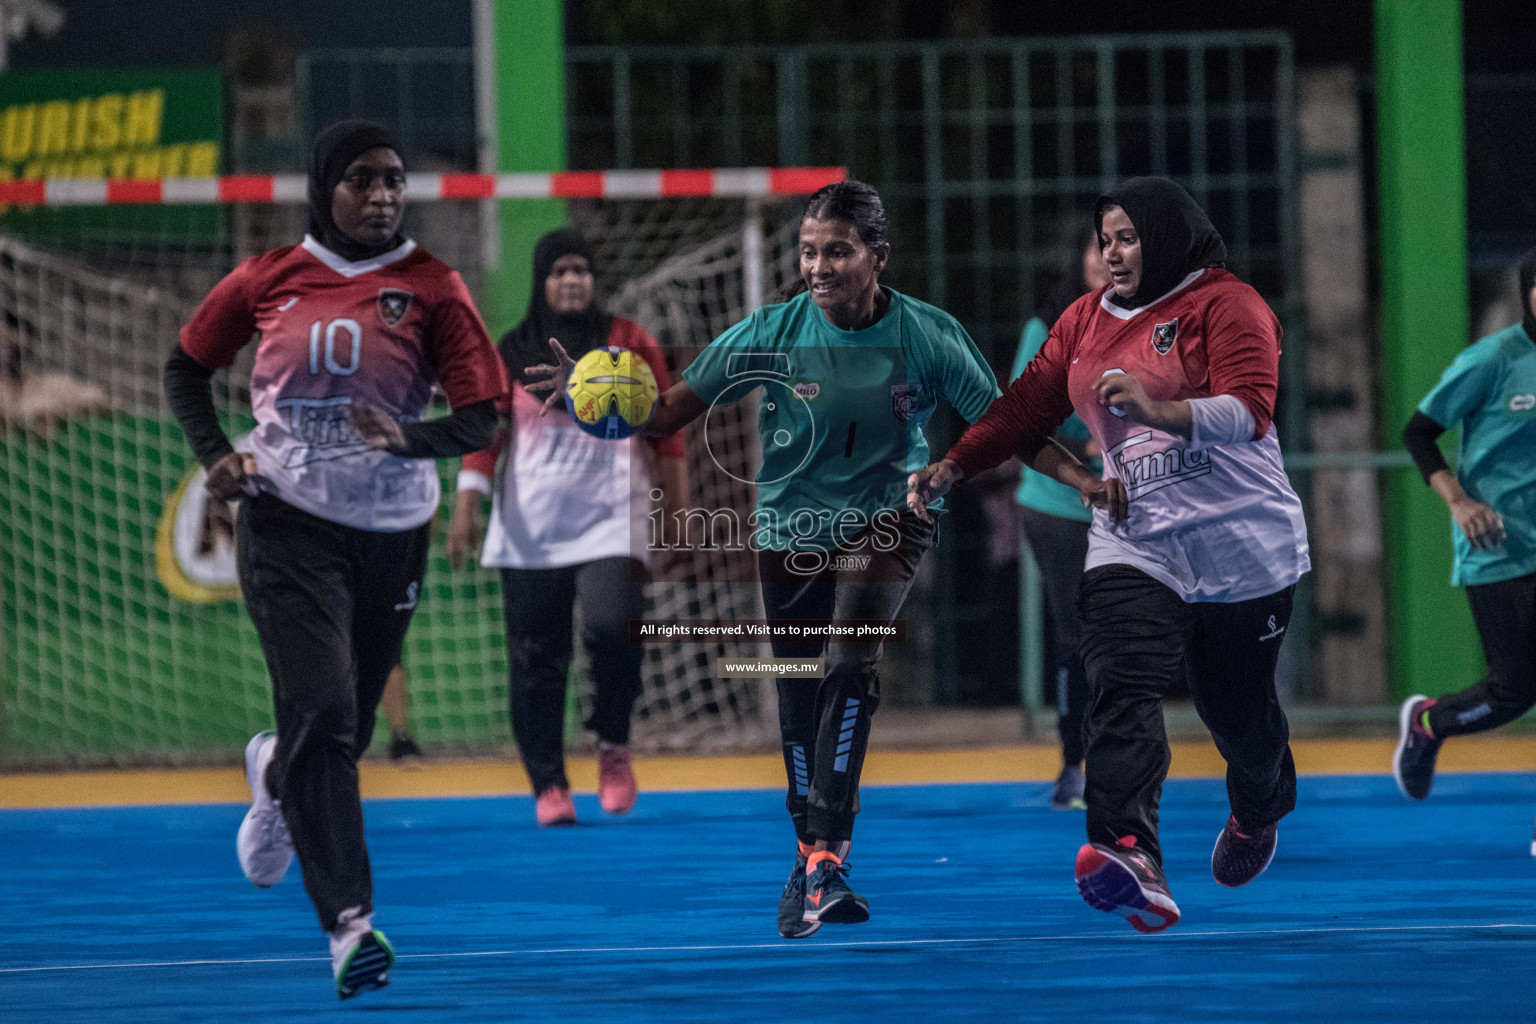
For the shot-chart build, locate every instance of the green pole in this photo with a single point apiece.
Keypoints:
(1424, 321)
(524, 45)
(1031, 639)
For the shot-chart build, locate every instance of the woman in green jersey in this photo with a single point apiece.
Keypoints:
(1490, 390)
(847, 371)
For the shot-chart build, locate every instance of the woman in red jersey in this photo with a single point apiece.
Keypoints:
(1173, 367)
(353, 329)
(568, 524)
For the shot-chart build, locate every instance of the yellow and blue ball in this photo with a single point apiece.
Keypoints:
(611, 392)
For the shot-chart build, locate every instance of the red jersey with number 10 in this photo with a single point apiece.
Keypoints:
(333, 334)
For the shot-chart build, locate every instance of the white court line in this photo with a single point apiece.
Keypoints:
(1098, 937)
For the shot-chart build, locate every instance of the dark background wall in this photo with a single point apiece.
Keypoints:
(1498, 32)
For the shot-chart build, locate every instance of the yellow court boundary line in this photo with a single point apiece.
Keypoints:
(1033, 763)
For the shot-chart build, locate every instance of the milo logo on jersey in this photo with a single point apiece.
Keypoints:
(1525, 403)
(1144, 473)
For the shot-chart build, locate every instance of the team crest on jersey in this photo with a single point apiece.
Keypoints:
(903, 398)
(1164, 336)
(393, 305)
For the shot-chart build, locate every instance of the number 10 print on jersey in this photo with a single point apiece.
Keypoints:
(334, 334)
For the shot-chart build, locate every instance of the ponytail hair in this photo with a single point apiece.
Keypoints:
(851, 201)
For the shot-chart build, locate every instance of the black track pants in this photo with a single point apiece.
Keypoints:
(539, 606)
(1137, 637)
(824, 723)
(1505, 614)
(1060, 547)
(331, 604)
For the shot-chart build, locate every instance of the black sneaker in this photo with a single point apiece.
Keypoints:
(828, 900)
(1068, 794)
(1413, 764)
(1122, 880)
(365, 966)
(401, 746)
(1240, 857)
(792, 922)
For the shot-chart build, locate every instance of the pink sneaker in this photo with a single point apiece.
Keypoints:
(554, 807)
(616, 789)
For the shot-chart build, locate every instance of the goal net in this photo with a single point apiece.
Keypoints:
(122, 638)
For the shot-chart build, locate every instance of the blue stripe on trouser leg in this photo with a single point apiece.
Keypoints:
(802, 773)
(845, 738)
(845, 701)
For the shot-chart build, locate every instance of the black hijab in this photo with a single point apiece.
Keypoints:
(1176, 235)
(527, 344)
(332, 153)
(1527, 282)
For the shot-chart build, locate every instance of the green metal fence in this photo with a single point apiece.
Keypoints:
(981, 148)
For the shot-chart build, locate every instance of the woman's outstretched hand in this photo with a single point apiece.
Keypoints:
(548, 382)
(929, 484)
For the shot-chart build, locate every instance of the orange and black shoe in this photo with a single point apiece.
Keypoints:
(792, 922)
(1123, 880)
(828, 900)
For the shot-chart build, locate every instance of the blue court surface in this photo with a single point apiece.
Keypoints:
(1374, 910)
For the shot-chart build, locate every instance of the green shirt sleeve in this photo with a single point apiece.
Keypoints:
(964, 376)
(1035, 333)
(1464, 387)
(711, 371)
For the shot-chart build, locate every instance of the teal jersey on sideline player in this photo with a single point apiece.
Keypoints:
(841, 413)
(1491, 391)
(1036, 490)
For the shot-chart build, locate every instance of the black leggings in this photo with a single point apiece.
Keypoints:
(331, 605)
(1060, 547)
(1505, 615)
(1138, 636)
(825, 723)
(539, 605)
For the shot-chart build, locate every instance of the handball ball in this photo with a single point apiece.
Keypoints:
(611, 393)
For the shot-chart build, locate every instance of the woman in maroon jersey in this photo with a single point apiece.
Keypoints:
(353, 328)
(568, 523)
(1197, 543)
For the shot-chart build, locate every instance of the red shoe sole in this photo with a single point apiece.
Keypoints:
(1106, 884)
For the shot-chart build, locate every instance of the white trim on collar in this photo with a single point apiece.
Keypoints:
(346, 268)
(1126, 314)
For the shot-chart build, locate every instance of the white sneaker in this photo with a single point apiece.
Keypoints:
(264, 846)
(360, 955)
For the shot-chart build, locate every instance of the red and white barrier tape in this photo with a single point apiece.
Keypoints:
(742, 182)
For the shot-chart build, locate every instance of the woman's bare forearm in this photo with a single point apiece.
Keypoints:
(677, 407)
(1056, 462)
